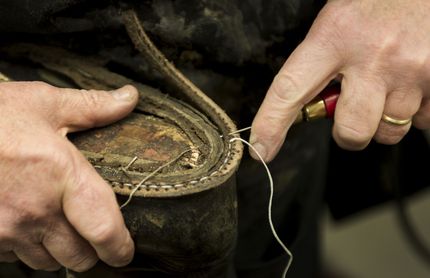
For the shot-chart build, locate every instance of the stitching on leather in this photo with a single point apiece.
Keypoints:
(146, 47)
(162, 185)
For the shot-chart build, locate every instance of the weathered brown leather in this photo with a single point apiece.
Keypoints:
(184, 218)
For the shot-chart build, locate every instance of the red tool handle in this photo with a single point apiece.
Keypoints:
(330, 95)
(323, 106)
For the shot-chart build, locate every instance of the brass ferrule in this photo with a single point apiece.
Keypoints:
(314, 110)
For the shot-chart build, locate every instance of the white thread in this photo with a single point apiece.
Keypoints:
(237, 131)
(151, 175)
(129, 164)
(269, 210)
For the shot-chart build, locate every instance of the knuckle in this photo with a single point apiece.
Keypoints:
(390, 136)
(51, 162)
(90, 192)
(83, 101)
(283, 82)
(285, 89)
(388, 140)
(81, 263)
(92, 98)
(411, 63)
(335, 16)
(92, 101)
(391, 50)
(30, 215)
(330, 10)
(104, 234)
(53, 158)
(389, 44)
(352, 138)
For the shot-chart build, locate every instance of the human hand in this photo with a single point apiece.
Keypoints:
(55, 209)
(379, 49)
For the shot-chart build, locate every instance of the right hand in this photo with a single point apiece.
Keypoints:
(379, 49)
(55, 209)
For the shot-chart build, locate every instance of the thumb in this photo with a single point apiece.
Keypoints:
(83, 109)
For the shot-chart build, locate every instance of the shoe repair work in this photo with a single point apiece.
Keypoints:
(187, 138)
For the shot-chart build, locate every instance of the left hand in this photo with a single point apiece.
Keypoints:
(381, 51)
(55, 209)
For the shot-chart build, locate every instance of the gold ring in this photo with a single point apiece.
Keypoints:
(394, 121)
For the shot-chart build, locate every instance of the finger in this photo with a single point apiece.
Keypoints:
(421, 119)
(81, 109)
(8, 257)
(91, 207)
(69, 248)
(306, 72)
(36, 257)
(400, 104)
(358, 110)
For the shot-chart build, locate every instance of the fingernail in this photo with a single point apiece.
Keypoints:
(252, 138)
(260, 148)
(122, 94)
